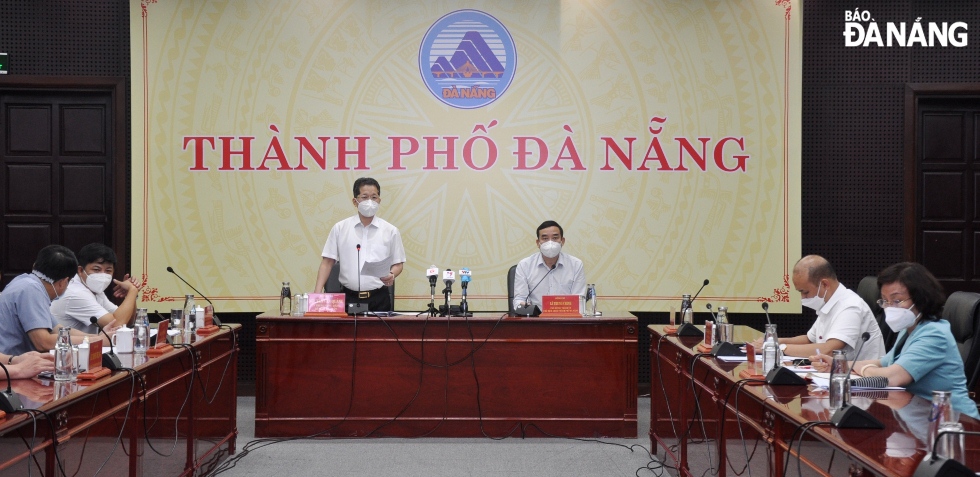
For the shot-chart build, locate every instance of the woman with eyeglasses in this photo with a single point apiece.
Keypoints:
(925, 357)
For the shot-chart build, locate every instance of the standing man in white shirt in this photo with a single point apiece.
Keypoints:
(549, 271)
(378, 240)
(842, 315)
(86, 296)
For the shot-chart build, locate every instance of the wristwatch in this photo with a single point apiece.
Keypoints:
(11, 360)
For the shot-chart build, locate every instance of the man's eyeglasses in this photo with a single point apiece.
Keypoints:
(893, 304)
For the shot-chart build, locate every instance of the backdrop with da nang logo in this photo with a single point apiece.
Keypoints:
(664, 137)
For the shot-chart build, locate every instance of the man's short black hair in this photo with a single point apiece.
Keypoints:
(57, 262)
(96, 253)
(365, 181)
(546, 224)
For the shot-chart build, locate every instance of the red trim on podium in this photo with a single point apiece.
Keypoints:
(207, 330)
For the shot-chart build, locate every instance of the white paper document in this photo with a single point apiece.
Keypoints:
(377, 269)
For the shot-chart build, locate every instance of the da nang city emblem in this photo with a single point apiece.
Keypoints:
(467, 59)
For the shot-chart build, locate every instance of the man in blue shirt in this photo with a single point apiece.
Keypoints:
(26, 323)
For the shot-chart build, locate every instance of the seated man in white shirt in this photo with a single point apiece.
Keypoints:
(549, 271)
(85, 296)
(842, 315)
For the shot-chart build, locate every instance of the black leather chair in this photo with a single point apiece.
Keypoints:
(961, 313)
(333, 281)
(868, 290)
(510, 289)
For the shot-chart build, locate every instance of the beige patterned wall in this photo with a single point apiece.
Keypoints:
(277, 70)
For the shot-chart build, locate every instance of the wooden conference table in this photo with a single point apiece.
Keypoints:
(411, 376)
(682, 380)
(108, 427)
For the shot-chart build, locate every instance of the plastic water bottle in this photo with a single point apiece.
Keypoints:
(590, 300)
(687, 313)
(285, 300)
(840, 382)
(63, 365)
(141, 331)
(770, 349)
(188, 313)
(941, 414)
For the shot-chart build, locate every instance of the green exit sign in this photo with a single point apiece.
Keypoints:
(3, 63)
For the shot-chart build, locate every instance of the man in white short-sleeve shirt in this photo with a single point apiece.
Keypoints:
(86, 296)
(842, 315)
(359, 239)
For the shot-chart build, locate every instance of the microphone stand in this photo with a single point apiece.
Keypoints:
(689, 329)
(359, 308)
(935, 466)
(109, 360)
(214, 316)
(850, 416)
(9, 402)
(432, 300)
(464, 308)
(530, 309)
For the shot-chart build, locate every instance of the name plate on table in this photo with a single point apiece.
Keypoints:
(560, 306)
(326, 304)
(94, 355)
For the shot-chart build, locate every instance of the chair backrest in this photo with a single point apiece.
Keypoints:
(333, 281)
(961, 313)
(868, 290)
(510, 288)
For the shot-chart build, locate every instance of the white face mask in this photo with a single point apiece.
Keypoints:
(814, 302)
(45, 278)
(899, 318)
(368, 208)
(97, 282)
(550, 249)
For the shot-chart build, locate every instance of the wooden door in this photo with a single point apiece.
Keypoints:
(57, 150)
(946, 188)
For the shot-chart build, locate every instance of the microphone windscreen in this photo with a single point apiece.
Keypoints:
(93, 320)
(866, 336)
(170, 269)
(705, 282)
(765, 306)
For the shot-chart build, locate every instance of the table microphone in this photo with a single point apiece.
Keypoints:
(935, 466)
(723, 348)
(850, 416)
(214, 316)
(109, 360)
(359, 308)
(689, 329)
(765, 308)
(530, 309)
(9, 402)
